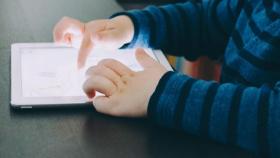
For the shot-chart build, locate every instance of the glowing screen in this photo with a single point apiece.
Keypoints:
(52, 72)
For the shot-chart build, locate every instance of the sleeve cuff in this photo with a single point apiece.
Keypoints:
(152, 106)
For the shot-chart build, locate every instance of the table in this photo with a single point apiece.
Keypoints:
(78, 132)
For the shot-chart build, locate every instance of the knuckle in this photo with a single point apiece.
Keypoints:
(105, 62)
(91, 70)
(121, 89)
(97, 36)
(85, 85)
(126, 78)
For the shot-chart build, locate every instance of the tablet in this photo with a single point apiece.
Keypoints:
(46, 74)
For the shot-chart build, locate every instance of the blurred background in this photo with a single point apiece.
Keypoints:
(203, 68)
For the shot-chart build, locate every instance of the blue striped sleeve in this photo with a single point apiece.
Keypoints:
(248, 117)
(189, 29)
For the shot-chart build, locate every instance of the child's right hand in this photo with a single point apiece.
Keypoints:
(109, 33)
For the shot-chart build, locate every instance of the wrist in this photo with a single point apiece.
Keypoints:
(127, 27)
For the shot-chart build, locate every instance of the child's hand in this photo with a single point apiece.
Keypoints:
(110, 33)
(127, 93)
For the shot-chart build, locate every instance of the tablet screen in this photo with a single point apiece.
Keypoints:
(52, 72)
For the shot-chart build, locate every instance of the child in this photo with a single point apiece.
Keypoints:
(243, 109)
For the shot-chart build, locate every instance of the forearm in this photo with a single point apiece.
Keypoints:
(232, 114)
(186, 29)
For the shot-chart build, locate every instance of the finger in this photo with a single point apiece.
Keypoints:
(67, 25)
(99, 84)
(144, 59)
(116, 66)
(100, 70)
(86, 48)
(68, 38)
(102, 104)
(107, 105)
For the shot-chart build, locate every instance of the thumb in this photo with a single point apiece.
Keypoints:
(144, 59)
(102, 104)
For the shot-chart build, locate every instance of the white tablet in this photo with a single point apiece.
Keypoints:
(46, 75)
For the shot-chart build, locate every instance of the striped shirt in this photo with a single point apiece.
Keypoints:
(243, 109)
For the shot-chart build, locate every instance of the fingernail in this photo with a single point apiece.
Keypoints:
(80, 65)
(91, 94)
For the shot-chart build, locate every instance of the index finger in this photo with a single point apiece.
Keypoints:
(85, 50)
(100, 84)
(116, 66)
(66, 25)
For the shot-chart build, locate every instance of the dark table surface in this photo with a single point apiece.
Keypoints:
(78, 132)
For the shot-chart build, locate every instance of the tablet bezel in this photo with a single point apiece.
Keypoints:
(19, 101)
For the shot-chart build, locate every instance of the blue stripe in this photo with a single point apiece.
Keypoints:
(219, 114)
(247, 119)
(260, 63)
(206, 111)
(153, 102)
(215, 18)
(233, 115)
(263, 35)
(168, 99)
(192, 113)
(184, 27)
(180, 106)
(168, 29)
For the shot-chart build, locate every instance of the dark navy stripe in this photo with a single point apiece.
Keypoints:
(183, 15)
(248, 9)
(181, 104)
(231, 14)
(177, 34)
(260, 63)
(272, 15)
(193, 36)
(215, 18)
(240, 5)
(263, 35)
(206, 109)
(152, 26)
(238, 8)
(201, 24)
(237, 39)
(185, 26)
(152, 106)
(196, 1)
(169, 25)
(233, 74)
(263, 113)
(233, 115)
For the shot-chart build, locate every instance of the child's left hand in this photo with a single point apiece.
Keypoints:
(127, 93)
